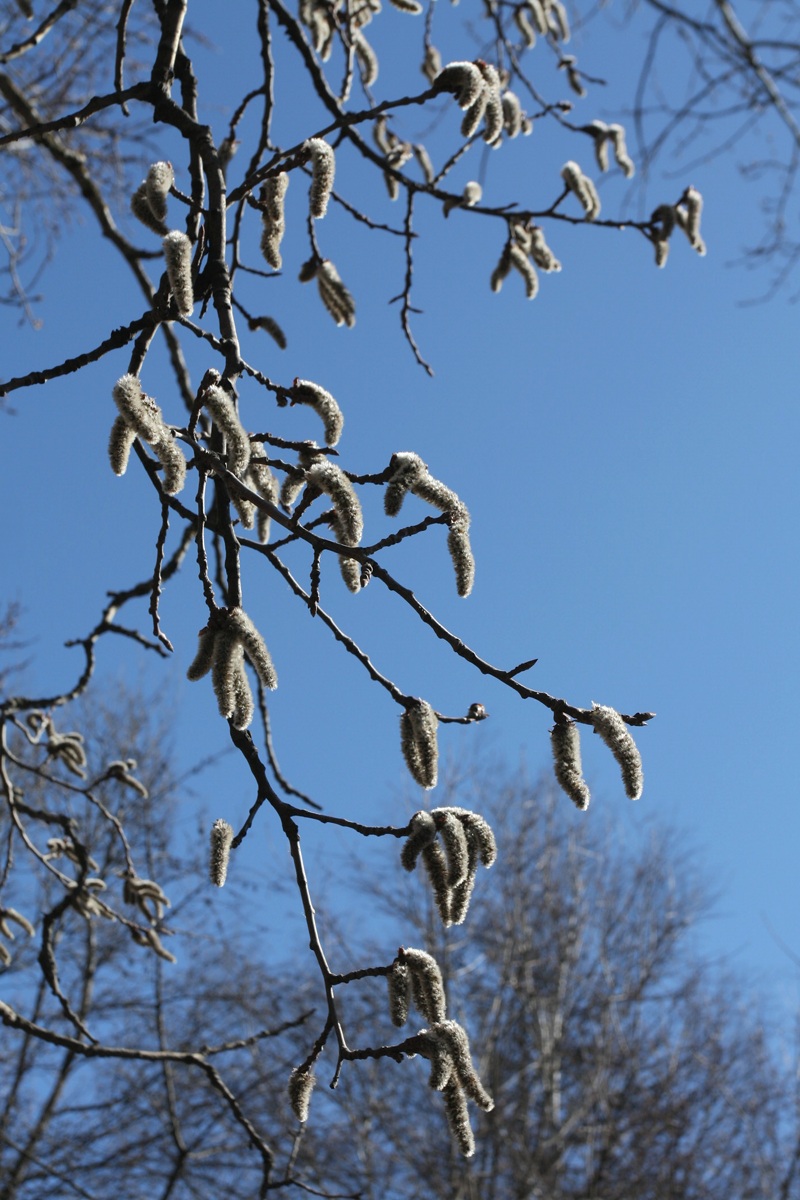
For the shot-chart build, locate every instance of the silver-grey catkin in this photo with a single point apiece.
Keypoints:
(423, 832)
(301, 1085)
(223, 411)
(140, 207)
(254, 647)
(120, 442)
(323, 404)
(221, 838)
(612, 729)
(583, 187)
(178, 256)
(399, 984)
(454, 840)
(140, 411)
(273, 220)
(455, 1106)
(435, 863)
(455, 1038)
(463, 79)
(334, 295)
(565, 743)
(160, 179)
(427, 983)
(418, 742)
(323, 167)
(173, 462)
(202, 662)
(332, 480)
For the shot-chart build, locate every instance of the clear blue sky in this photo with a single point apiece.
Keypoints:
(626, 444)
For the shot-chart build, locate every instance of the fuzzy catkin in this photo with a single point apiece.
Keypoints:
(427, 984)
(301, 1085)
(140, 207)
(612, 729)
(418, 725)
(334, 295)
(222, 409)
(565, 743)
(323, 167)
(455, 1106)
(178, 256)
(463, 79)
(120, 442)
(583, 188)
(221, 838)
(332, 480)
(423, 832)
(254, 647)
(140, 411)
(323, 404)
(455, 1038)
(160, 179)
(273, 221)
(399, 984)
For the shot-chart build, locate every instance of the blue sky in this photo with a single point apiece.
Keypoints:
(626, 444)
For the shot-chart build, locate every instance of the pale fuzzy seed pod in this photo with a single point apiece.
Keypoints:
(173, 462)
(406, 467)
(523, 265)
(463, 79)
(512, 115)
(688, 218)
(367, 59)
(600, 135)
(332, 480)
(270, 326)
(227, 671)
(479, 834)
(301, 1085)
(454, 840)
(501, 271)
(558, 20)
(437, 494)
(140, 411)
(455, 1106)
(140, 207)
(541, 253)
(495, 115)
(525, 27)
(423, 832)
(473, 192)
(160, 179)
(323, 167)
(442, 1066)
(254, 647)
(431, 64)
(119, 445)
(612, 729)
(323, 404)
(537, 8)
(426, 166)
(475, 113)
(435, 864)
(583, 188)
(427, 984)
(418, 725)
(350, 567)
(204, 658)
(221, 838)
(461, 895)
(178, 256)
(245, 509)
(623, 160)
(455, 1038)
(458, 544)
(399, 983)
(221, 407)
(573, 75)
(262, 480)
(273, 220)
(565, 743)
(334, 295)
(664, 220)
(243, 707)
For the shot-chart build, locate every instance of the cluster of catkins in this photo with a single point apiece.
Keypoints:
(466, 840)
(323, 18)
(685, 215)
(410, 474)
(140, 416)
(525, 250)
(565, 743)
(226, 641)
(479, 92)
(414, 977)
(321, 475)
(547, 18)
(334, 295)
(149, 204)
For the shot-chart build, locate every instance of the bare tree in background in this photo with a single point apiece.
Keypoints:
(235, 502)
(620, 1062)
(720, 80)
